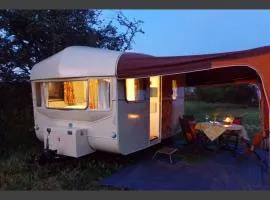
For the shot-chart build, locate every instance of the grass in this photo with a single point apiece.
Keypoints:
(19, 171)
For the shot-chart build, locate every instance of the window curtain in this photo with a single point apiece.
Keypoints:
(69, 93)
(104, 95)
(93, 94)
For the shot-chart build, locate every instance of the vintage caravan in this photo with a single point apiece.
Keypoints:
(87, 99)
(81, 105)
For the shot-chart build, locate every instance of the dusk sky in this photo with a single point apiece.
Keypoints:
(183, 32)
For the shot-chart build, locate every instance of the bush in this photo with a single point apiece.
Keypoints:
(16, 117)
(238, 94)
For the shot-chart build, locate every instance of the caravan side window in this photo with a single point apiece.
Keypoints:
(136, 89)
(38, 94)
(174, 89)
(67, 94)
(99, 94)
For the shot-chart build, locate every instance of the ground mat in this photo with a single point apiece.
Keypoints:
(220, 172)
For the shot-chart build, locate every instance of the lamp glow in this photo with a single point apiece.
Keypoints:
(130, 89)
(228, 121)
(133, 116)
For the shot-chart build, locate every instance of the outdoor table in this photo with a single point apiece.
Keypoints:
(214, 130)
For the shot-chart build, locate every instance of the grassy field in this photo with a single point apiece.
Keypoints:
(19, 171)
(251, 115)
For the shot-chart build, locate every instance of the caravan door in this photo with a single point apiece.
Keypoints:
(155, 114)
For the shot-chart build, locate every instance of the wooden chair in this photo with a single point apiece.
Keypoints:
(237, 120)
(188, 129)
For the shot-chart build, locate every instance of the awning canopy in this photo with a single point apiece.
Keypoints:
(249, 66)
(140, 65)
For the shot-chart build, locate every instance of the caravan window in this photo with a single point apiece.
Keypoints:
(174, 89)
(99, 94)
(38, 94)
(136, 89)
(67, 94)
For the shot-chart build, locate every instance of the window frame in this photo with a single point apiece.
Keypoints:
(44, 93)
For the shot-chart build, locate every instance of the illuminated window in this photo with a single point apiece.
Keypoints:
(99, 94)
(67, 95)
(135, 89)
(174, 89)
(56, 90)
(38, 94)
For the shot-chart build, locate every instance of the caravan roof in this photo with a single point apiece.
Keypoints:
(77, 61)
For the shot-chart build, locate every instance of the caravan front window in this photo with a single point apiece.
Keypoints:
(99, 94)
(67, 94)
(38, 94)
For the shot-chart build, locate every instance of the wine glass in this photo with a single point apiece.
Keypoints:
(206, 117)
(214, 117)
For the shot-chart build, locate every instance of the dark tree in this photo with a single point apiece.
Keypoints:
(236, 94)
(29, 36)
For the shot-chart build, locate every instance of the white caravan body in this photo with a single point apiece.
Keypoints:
(100, 117)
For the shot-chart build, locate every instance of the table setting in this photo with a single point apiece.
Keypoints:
(213, 129)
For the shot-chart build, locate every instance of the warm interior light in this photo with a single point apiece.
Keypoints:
(99, 94)
(68, 94)
(130, 89)
(174, 89)
(93, 94)
(228, 120)
(133, 116)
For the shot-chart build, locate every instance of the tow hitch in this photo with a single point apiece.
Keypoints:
(48, 155)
